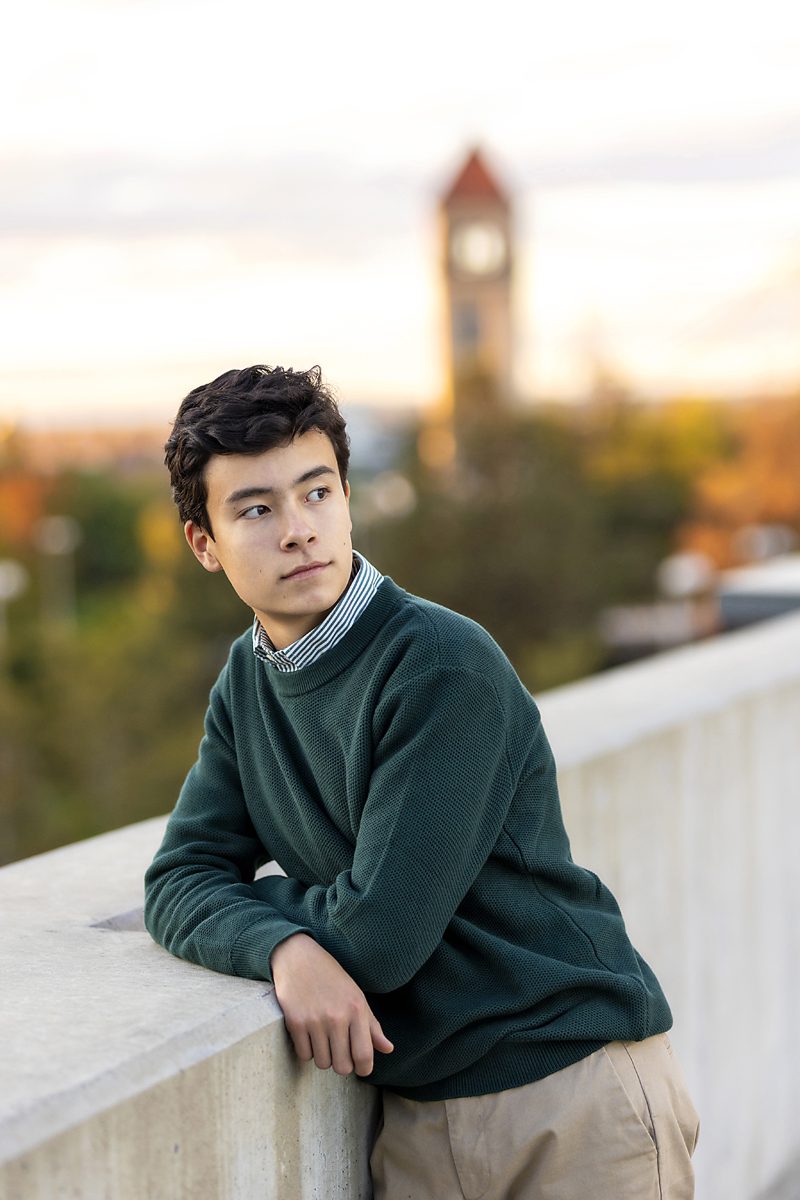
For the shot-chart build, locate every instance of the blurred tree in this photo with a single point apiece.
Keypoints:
(107, 510)
(644, 462)
(98, 727)
(756, 483)
(23, 498)
(507, 535)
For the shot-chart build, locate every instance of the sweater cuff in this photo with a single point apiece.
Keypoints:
(251, 951)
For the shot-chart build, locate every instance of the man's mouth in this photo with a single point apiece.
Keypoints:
(306, 570)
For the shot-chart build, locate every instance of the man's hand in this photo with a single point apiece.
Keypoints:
(325, 1011)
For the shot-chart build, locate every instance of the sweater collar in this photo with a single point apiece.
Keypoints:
(387, 602)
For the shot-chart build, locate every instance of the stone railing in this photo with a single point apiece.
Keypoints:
(128, 1074)
(680, 782)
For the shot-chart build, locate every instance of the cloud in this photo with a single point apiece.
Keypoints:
(770, 151)
(331, 208)
(322, 208)
(772, 309)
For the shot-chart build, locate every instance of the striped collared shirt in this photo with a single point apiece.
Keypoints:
(364, 583)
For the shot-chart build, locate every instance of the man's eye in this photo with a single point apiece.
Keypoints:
(318, 494)
(255, 510)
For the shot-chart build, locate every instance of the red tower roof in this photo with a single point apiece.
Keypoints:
(475, 182)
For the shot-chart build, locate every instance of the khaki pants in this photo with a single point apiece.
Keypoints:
(618, 1125)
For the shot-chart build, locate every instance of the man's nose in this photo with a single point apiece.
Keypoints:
(297, 529)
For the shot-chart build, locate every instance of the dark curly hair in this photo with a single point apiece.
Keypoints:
(247, 412)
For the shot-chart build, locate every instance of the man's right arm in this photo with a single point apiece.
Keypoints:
(200, 906)
(198, 900)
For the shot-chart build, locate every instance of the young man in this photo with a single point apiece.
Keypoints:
(432, 932)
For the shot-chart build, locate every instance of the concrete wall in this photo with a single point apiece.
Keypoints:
(127, 1074)
(680, 782)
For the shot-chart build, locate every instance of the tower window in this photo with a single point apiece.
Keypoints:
(466, 326)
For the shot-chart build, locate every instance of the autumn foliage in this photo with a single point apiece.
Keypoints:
(756, 484)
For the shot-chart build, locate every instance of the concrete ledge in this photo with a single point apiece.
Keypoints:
(680, 785)
(623, 706)
(128, 1073)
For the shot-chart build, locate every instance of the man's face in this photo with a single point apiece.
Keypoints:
(281, 522)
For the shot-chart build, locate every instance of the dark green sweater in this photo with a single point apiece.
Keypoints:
(405, 784)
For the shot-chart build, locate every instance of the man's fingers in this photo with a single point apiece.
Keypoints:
(322, 1048)
(344, 1047)
(361, 1044)
(340, 1049)
(378, 1037)
(302, 1044)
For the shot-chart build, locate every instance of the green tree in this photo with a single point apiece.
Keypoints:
(507, 535)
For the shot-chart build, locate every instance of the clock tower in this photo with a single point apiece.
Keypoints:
(476, 250)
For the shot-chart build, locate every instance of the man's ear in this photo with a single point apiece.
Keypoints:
(203, 546)
(347, 498)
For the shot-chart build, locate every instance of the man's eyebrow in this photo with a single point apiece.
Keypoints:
(248, 493)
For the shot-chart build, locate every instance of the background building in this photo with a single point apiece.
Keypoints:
(477, 259)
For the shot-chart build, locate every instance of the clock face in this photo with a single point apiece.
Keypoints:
(478, 247)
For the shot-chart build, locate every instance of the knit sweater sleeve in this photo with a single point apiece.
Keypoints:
(439, 794)
(199, 898)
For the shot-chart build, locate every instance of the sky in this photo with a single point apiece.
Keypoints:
(191, 186)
